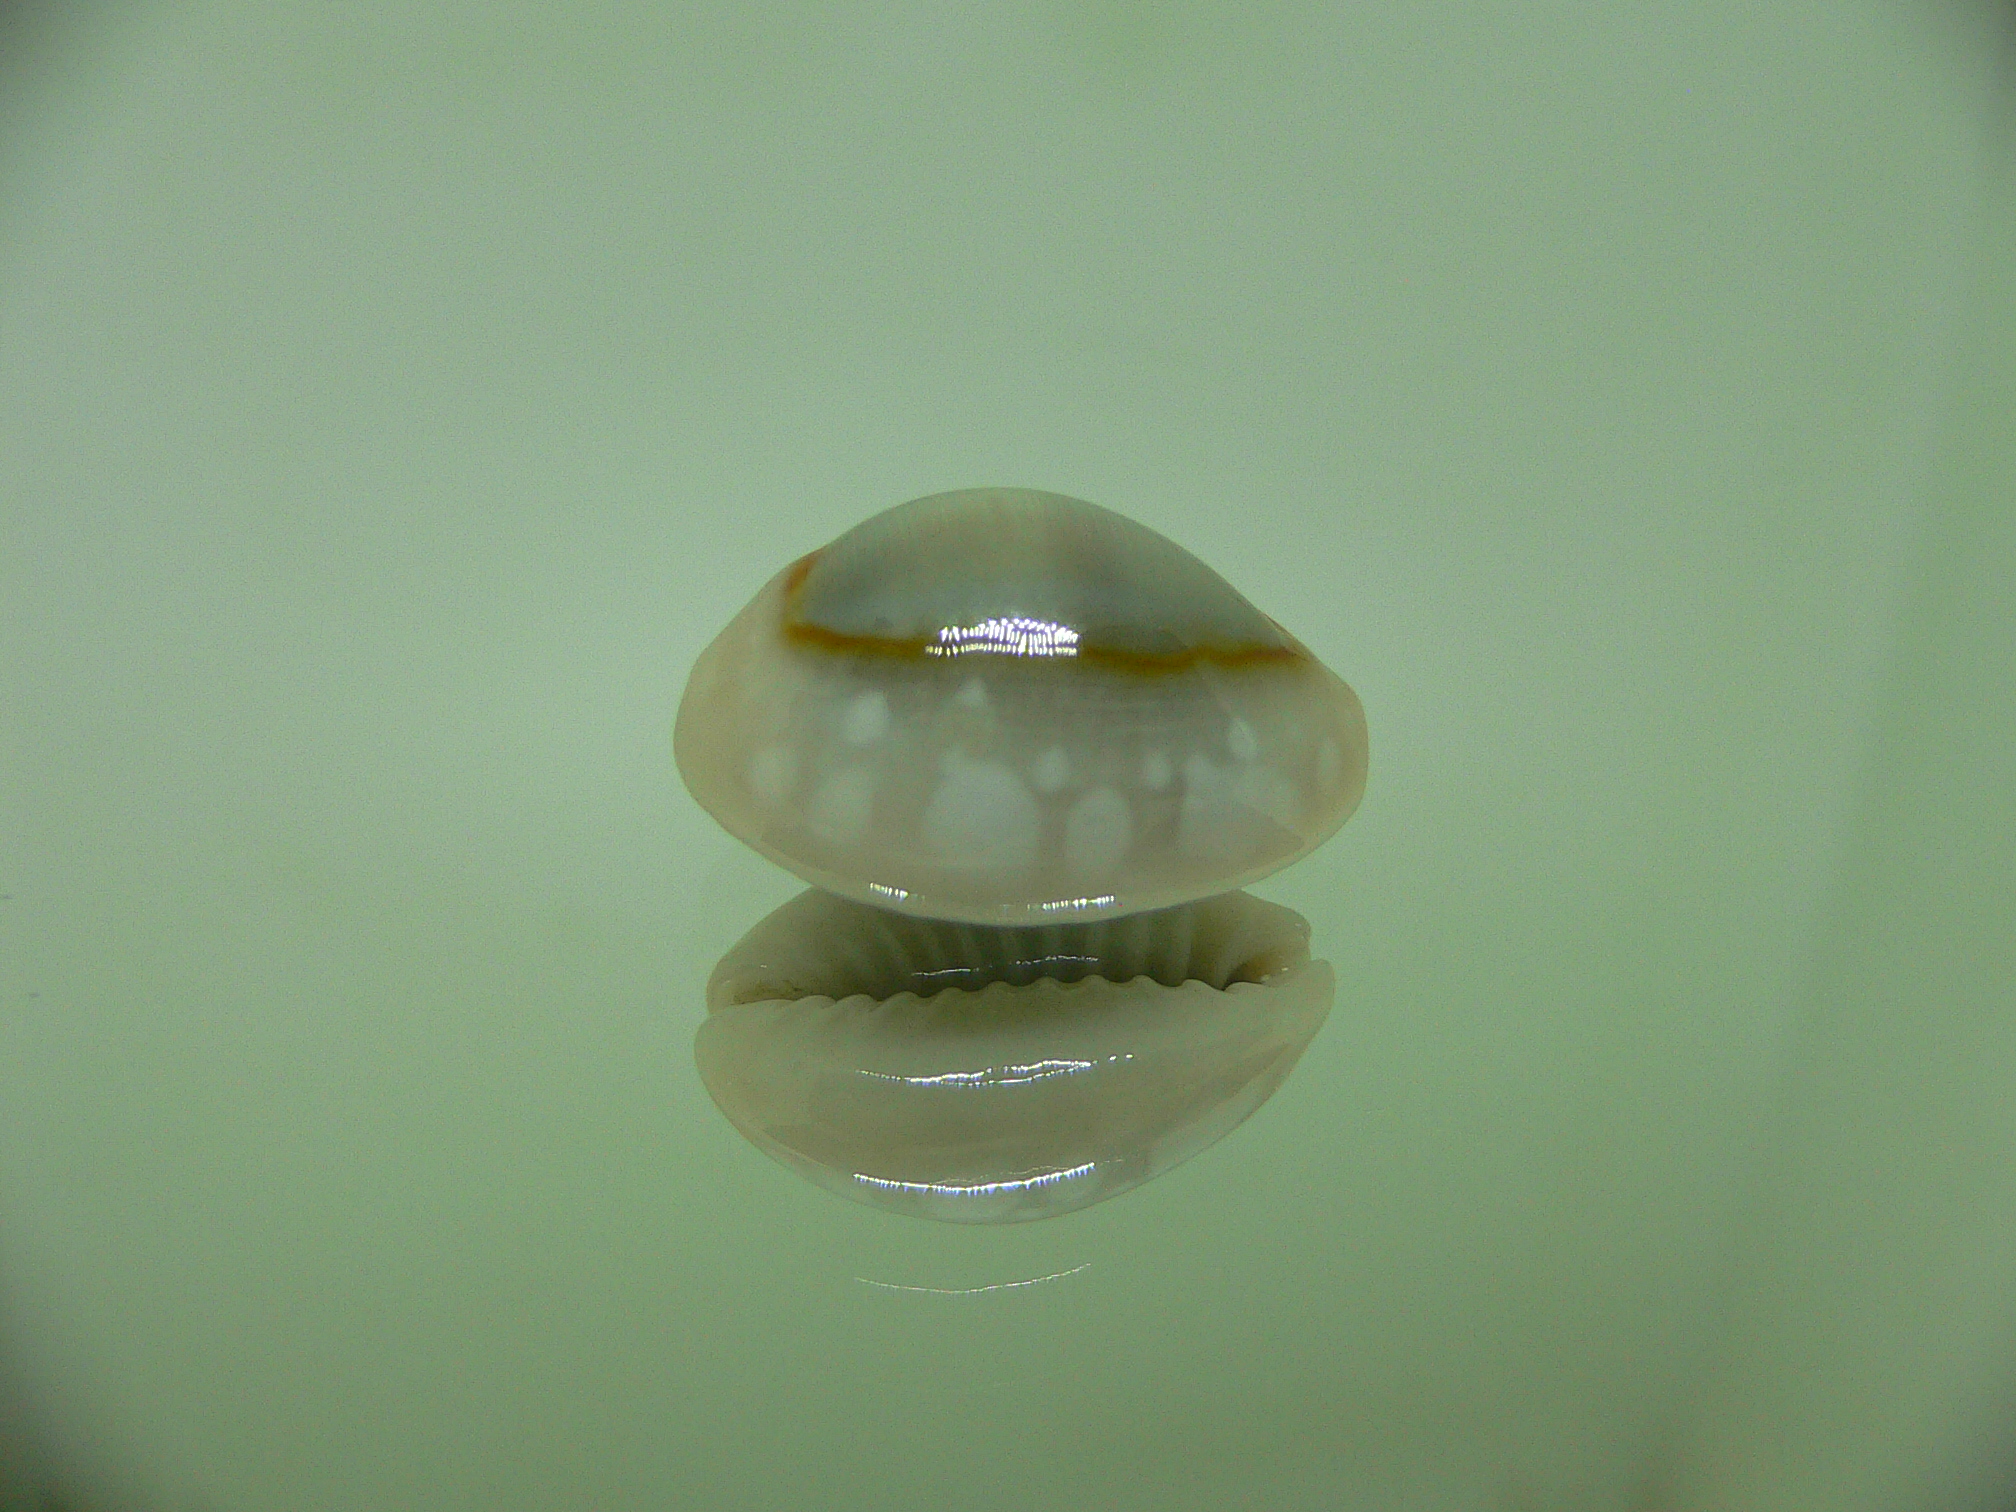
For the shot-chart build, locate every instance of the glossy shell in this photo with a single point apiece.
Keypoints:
(1036, 1083)
(1003, 706)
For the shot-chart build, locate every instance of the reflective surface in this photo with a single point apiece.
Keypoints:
(1000, 1076)
(397, 402)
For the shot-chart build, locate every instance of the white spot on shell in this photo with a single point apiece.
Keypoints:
(1156, 772)
(973, 695)
(1240, 740)
(1266, 791)
(982, 818)
(1207, 823)
(842, 805)
(1051, 771)
(773, 773)
(866, 720)
(1097, 832)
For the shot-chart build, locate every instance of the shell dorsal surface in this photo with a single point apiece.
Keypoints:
(1004, 706)
(1075, 579)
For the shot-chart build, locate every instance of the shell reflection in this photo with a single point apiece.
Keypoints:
(979, 1075)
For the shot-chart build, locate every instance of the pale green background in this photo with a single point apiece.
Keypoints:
(393, 402)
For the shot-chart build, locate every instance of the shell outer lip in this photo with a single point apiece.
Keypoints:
(811, 947)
